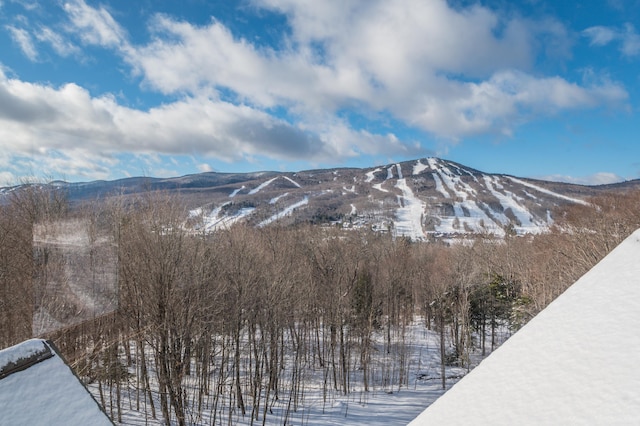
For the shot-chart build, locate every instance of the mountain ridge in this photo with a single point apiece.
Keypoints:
(419, 199)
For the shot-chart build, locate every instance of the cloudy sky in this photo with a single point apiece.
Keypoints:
(114, 88)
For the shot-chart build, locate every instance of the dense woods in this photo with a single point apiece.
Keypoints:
(230, 324)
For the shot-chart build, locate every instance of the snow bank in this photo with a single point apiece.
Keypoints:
(574, 363)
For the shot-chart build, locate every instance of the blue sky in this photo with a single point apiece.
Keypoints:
(109, 89)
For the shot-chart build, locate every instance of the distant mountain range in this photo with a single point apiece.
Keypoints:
(424, 198)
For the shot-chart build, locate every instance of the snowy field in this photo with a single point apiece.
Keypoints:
(384, 404)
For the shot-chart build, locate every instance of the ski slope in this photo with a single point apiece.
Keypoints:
(409, 215)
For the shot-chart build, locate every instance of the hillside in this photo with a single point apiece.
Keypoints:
(419, 199)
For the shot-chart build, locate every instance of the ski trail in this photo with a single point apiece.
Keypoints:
(292, 181)
(467, 213)
(213, 221)
(372, 174)
(379, 187)
(262, 186)
(508, 201)
(440, 186)
(419, 167)
(546, 191)
(390, 172)
(284, 212)
(235, 191)
(409, 215)
(275, 199)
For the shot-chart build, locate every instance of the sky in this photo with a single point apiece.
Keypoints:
(110, 89)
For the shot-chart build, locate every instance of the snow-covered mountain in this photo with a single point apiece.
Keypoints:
(414, 199)
(419, 199)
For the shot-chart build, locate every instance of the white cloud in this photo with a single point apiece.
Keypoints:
(204, 167)
(499, 103)
(602, 178)
(80, 134)
(95, 26)
(24, 41)
(627, 37)
(409, 59)
(59, 44)
(600, 36)
(630, 41)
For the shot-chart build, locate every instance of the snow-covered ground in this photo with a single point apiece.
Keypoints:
(383, 405)
(575, 363)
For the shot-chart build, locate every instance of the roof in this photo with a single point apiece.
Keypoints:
(38, 388)
(574, 363)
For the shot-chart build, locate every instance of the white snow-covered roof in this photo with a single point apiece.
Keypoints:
(38, 388)
(575, 363)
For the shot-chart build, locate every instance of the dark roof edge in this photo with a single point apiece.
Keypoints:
(23, 363)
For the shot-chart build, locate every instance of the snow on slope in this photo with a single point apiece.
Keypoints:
(372, 174)
(409, 215)
(509, 201)
(379, 187)
(46, 393)
(292, 181)
(419, 167)
(278, 198)
(463, 200)
(215, 221)
(440, 186)
(235, 191)
(262, 186)
(468, 214)
(575, 363)
(286, 212)
(546, 191)
(390, 172)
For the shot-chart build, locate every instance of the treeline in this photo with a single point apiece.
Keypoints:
(236, 322)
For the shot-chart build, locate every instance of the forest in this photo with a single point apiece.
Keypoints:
(227, 325)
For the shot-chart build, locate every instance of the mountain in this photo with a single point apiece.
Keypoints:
(419, 199)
